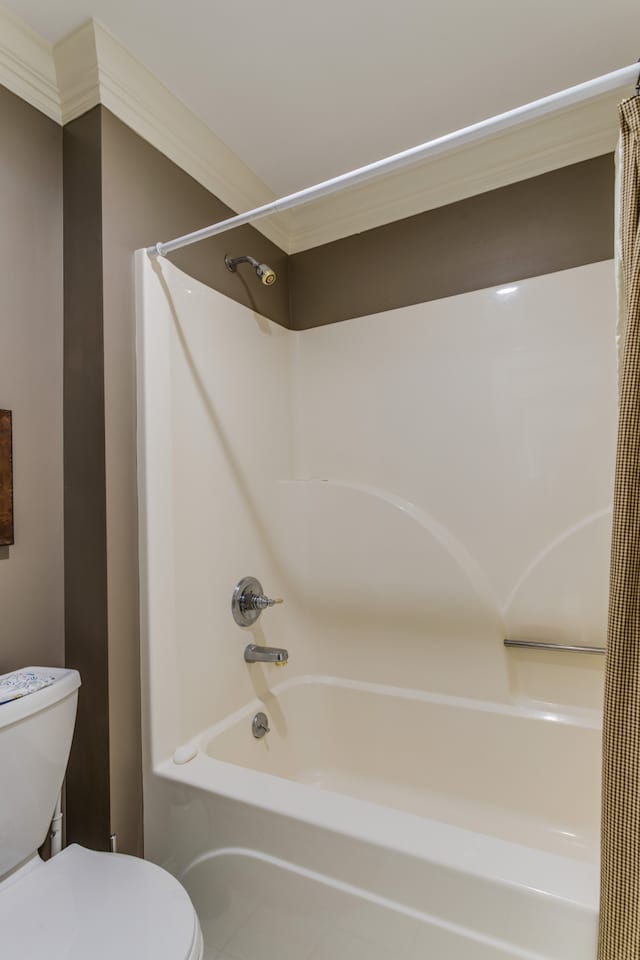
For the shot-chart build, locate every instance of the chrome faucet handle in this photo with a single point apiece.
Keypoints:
(248, 601)
(261, 602)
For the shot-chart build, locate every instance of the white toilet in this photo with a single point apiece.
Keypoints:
(80, 904)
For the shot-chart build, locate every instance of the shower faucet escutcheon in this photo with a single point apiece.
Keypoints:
(247, 603)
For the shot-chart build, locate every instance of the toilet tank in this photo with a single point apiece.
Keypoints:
(35, 739)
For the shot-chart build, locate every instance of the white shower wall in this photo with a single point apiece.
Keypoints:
(464, 450)
(223, 374)
(417, 485)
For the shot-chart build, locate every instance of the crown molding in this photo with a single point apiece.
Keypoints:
(521, 153)
(91, 66)
(27, 67)
(76, 60)
(94, 67)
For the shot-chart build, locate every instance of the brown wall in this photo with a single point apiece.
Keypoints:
(31, 574)
(148, 198)
(552, 222)
(87, 791)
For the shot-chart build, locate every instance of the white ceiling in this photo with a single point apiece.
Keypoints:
(305, 90)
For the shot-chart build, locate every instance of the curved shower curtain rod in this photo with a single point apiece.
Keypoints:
(467, 135)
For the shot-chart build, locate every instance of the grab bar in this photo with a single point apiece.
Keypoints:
(540, 645)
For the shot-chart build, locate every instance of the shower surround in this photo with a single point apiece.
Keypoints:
(417, 485)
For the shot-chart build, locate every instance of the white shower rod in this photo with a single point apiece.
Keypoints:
(477, 131)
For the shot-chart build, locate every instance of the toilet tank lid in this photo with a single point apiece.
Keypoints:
(65, 683)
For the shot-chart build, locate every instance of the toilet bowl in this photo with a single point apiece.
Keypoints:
(80, 903)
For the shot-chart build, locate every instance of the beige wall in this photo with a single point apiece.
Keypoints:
(31, 571)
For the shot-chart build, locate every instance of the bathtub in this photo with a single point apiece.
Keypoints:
(379, 822)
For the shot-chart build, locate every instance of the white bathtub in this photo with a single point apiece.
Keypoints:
(373, 821)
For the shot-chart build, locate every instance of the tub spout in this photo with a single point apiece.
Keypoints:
(254, 653)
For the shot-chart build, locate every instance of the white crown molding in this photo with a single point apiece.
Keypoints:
(27, 67)
(91, 66)
(76, 61)
(528, 151)
(94, 67)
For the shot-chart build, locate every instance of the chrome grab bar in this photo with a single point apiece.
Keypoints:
(541, 645)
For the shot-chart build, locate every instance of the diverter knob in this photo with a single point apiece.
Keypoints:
(248, 601)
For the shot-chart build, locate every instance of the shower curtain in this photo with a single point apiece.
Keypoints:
(619, 937)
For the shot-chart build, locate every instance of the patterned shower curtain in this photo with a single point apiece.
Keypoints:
(619, 937)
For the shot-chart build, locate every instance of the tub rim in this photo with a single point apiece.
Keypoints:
(504, 862)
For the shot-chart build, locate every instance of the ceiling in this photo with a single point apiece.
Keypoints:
(304, 90)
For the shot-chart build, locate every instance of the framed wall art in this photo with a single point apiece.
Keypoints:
(6, 480)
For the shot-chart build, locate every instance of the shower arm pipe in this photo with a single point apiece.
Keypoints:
(432, 148)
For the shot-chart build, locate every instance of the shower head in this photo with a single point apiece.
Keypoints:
(264, 272)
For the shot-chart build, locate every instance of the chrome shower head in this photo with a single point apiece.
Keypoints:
(264, 272)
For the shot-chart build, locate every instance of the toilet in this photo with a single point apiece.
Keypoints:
(80, 903)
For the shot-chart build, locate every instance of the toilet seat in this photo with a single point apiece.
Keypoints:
(105, 906)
